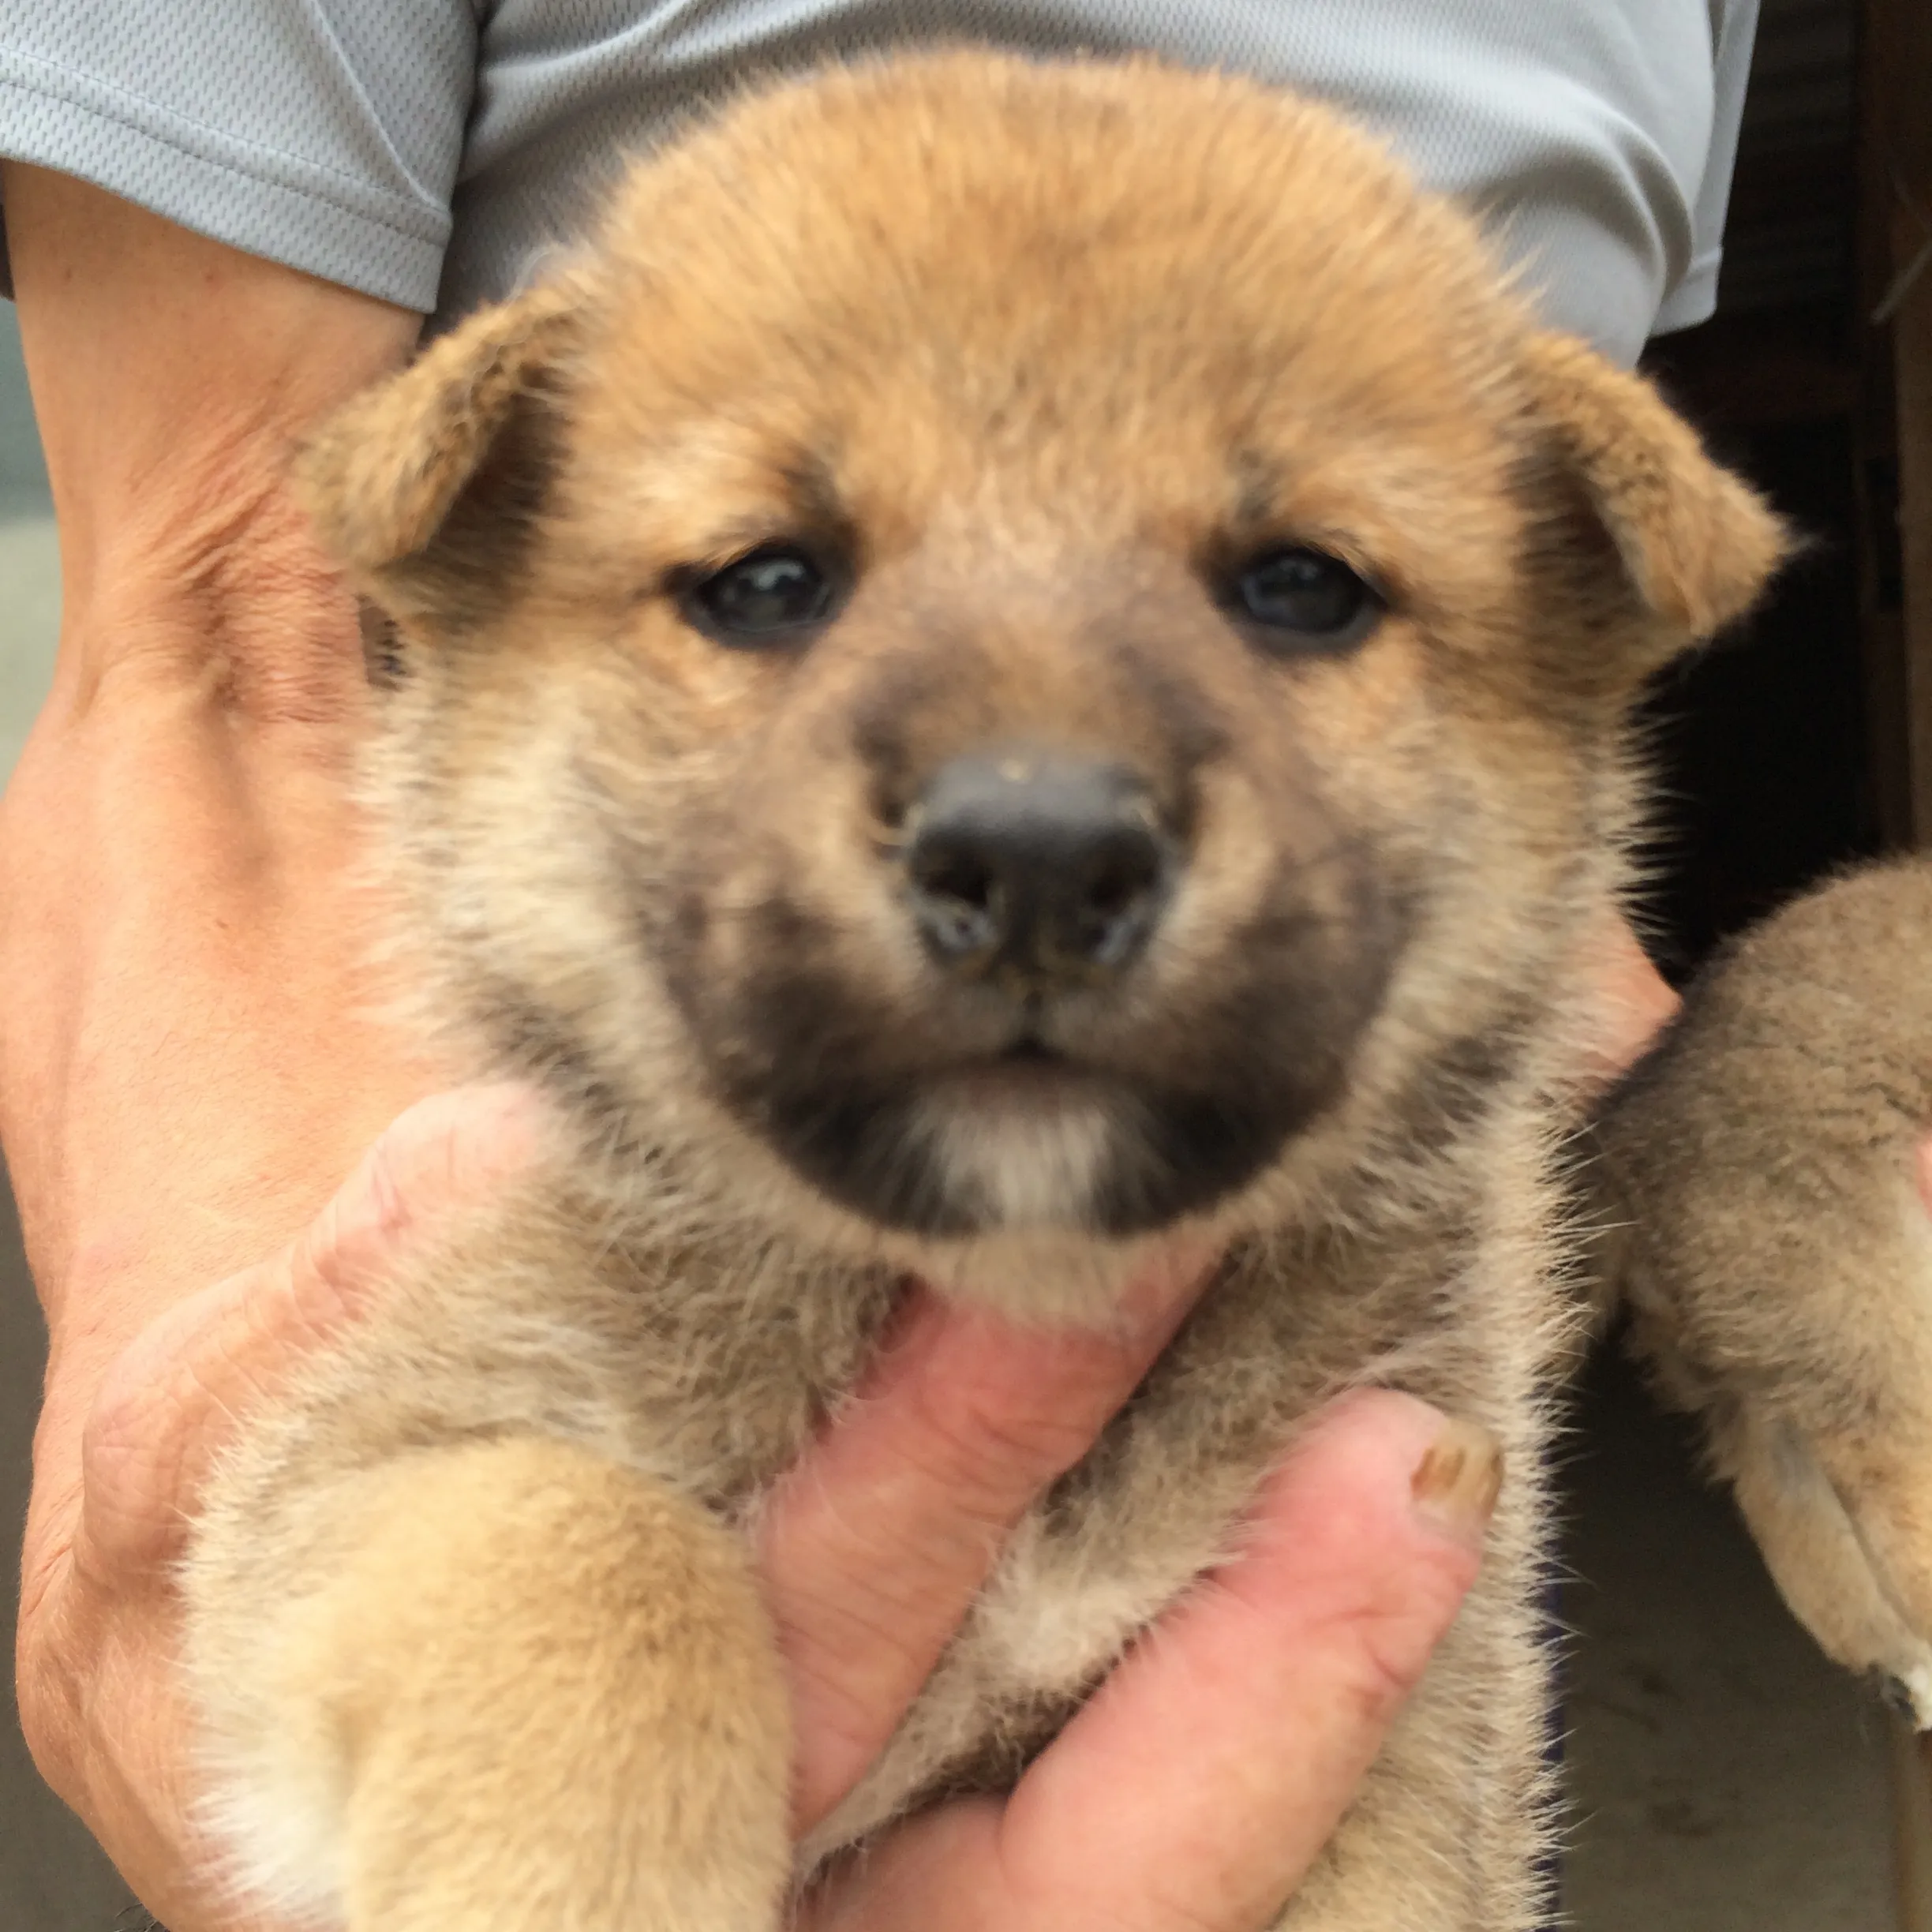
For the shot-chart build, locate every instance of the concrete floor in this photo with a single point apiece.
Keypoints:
(29, 617)
(1726, 1779)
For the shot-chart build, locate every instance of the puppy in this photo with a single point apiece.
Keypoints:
(1022, 668)
(1762, 1218)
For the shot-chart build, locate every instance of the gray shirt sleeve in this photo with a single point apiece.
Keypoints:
(323, 134)
(428, 152)
(1692, 298)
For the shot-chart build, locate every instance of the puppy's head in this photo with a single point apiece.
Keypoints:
(1024, 647)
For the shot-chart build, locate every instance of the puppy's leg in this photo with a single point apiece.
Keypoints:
(531, 1689)
(1806, 1357)
(1824, 1569)
(1776, 1256)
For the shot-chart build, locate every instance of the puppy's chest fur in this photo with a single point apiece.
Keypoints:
(708, 1361)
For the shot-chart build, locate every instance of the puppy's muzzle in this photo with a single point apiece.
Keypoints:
(1037, 871)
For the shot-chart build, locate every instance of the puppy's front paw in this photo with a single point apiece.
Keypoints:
(1843, 1559)
(534, 1691)
(1758, 1187)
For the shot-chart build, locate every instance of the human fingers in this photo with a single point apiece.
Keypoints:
(1197, 1788)
(873, 1547)
(172, 1398)
(1252, 1715)
(100, 1693)
(1633, 1004)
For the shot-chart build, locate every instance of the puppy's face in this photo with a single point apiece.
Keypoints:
(1030, 647)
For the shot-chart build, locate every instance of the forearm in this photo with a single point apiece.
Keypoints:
(174, 840)
(188, 1060)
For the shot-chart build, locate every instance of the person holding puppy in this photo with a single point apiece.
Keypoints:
(201, 279)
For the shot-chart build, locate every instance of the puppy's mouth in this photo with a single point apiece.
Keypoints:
(1028, 1137)
(950, 1110)
(1029, 1067)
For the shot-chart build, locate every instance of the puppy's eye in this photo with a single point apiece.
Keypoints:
(1309, 598)
(768, 596)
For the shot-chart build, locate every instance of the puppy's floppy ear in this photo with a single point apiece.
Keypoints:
(1696, 545)
(425, 485)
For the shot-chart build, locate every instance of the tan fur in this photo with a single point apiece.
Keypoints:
(1044, 351)
(1757, 1177)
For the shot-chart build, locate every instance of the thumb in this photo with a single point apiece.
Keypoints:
(1267, 1692)
(1198, 1785)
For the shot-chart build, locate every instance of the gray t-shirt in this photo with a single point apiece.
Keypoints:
(429, 151)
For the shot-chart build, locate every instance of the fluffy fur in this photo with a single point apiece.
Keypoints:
(1039, 355)
(1758, 1181)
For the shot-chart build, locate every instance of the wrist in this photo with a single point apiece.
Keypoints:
(178, 629)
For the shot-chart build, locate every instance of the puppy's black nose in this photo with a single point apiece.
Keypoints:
(1041, 868)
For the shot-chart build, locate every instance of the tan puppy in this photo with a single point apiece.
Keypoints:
(1765, 1226)
(1023, 666)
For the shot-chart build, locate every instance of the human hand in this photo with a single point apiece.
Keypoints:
(1631, 1004)
(1196, 1790)
(1193, 1790)
(101, 1696)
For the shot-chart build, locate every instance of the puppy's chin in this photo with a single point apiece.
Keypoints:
(1018, 1147)
(1016, 1150)
(955, 1157)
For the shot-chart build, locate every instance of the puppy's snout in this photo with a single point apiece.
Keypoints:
(1041, 869)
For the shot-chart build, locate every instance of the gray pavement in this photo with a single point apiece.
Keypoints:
(1725, 1777)
(23, 475)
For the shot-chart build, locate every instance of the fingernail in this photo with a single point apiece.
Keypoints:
(1455, 1485)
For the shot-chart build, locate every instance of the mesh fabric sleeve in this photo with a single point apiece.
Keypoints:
(1693, 298)
(324, 133)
